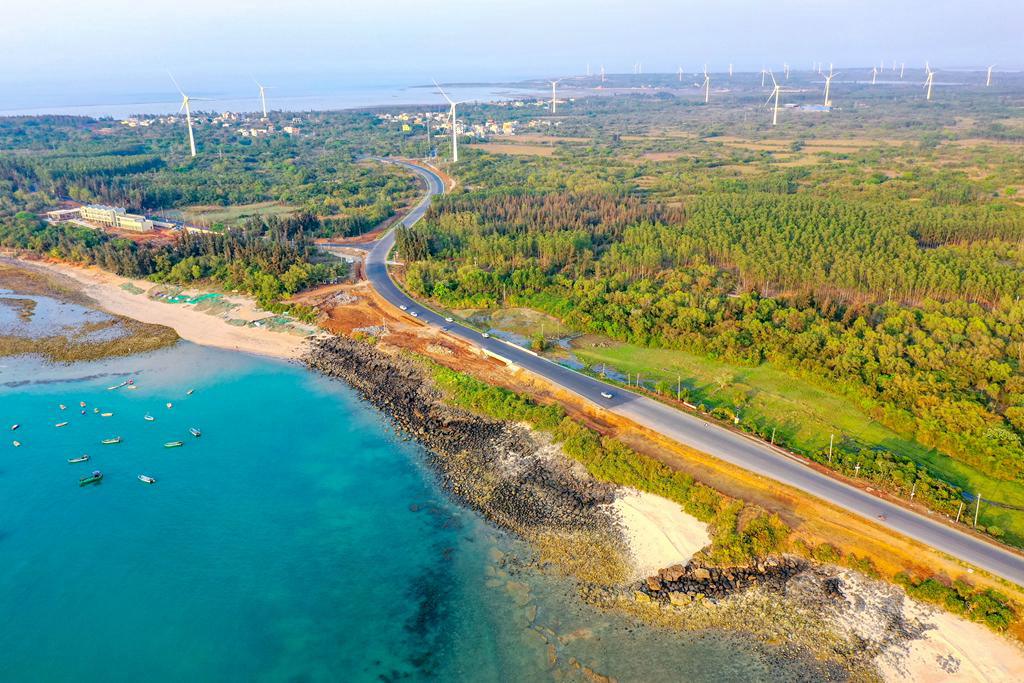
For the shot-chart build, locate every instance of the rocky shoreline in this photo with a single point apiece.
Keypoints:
(841, 621)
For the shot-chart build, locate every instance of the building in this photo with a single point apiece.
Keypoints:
(115, 217)
(62, 215)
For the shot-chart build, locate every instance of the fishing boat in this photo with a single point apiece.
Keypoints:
(194, 431)
(107, 442)
(81, 458)
(146, 479)
(105, 414)
(148, 418)
(91, 479)
(63, 407)
(132, 386)
(118, 386)
(174, 444)
(81, 404)
(16, 443)
(83, 411)
(61, 424)
(95, 410)
(15, 426)
(189, 392)
(170, 405)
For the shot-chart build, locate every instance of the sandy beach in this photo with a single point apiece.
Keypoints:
(660, 534)
(953, 649)
(195, 326)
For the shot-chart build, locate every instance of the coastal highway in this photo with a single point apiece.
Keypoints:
(690, 430)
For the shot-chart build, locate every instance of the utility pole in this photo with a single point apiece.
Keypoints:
(959, 511)
(913, 490)
(977, 509)
(831, 439)
(773, 436)
(856, 470)
(679, 387)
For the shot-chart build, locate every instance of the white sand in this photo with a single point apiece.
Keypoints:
(195, 326)
(954, 649)
(660, 534)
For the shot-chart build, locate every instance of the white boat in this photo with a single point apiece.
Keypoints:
(189, 392)
(146, 479)
(63, 407)
(148, 418)
(61, 424)
(105, 414)
(194, 431)
(14, 426)
(132, 386)
(82, 458)
(16, 443)
(170, 405)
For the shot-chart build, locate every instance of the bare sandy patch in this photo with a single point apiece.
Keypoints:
(517, 149)
(659, 533)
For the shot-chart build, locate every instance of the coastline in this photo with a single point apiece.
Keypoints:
(105, 289)
(656, 532)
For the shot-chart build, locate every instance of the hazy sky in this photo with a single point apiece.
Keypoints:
(78, 44)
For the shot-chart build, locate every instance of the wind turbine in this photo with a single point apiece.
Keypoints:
(602, 73)
(903, 65)
(988, 78)
(775, 93)
(707, 85)
(455, 129)
(263, 97)
(874, 74)
(928, 83)
(763, 72)
(188, 115)
(554, 100)
(828, 85)
(680, 74)
(730, 69)
(588, 69)
(785, 68)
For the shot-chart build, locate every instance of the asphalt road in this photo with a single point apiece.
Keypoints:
(687, 429)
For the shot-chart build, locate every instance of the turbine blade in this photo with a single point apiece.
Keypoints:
(443, 92)
(176, 84)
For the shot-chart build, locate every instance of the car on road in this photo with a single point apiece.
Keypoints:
(414, 314)
(449, 320)
(404, 307)
(486, 336)
(607, 394)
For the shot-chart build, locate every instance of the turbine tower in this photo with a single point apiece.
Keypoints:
(730, 69)
(554, 95)
(928, 83)
(707, 86)
(776, 91)
(828, 85)
(903, 65)
(188, 115)
(680, 74)
(602, 73)
(874, 74)
(785, 68)
(988, 78)
(455, 130)
(263, 97)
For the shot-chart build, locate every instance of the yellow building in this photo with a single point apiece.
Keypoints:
(115, 217)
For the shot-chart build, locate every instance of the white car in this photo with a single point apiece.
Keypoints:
(404, 307)
(606, 394)
(486, 336)
(414, 314)
(449, 320)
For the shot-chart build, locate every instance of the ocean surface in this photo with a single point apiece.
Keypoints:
(298, 539)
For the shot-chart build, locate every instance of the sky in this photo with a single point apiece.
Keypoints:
(74, 49)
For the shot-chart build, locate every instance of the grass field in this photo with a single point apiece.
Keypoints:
(230, 216)
(807, 414)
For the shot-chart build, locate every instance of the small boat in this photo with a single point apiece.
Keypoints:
(91, 479)
(170, 405)
(16, 443)
(105, 414)
(148, 418)
(174, 444)
(95, 410)
(83, 411)
(107, 442)
(118, 386)
(61, 424)
(132, 386)
(189, 392)
(194, 431)
(146, 479)
(63, 407)
(81, 404)
(82, 458)
(15, 426)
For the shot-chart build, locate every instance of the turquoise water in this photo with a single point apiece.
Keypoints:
(299, 539)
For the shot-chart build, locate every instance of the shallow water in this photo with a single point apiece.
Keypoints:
(298, 539)
(50, 317)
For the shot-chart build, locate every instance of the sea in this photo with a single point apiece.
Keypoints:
(298, 538)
